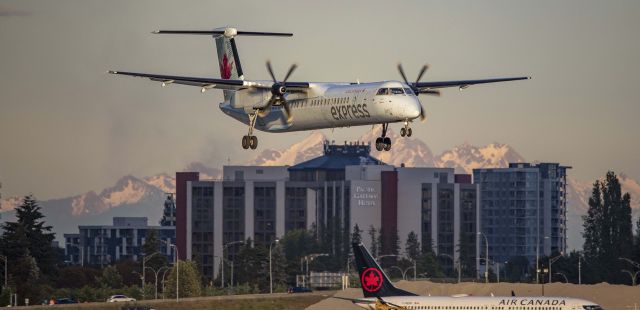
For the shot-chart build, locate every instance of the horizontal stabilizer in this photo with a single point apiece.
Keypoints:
(229, 32)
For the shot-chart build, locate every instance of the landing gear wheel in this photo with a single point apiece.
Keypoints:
(408, 132)
(387, 143)
(253, 142)
(379, 144)
(245, 142)
(403, 132)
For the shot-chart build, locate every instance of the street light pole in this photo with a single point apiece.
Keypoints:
(486, 260)
(579, 268)
(144, 261)
(551, 261)
(177, 272)
(270, 269)
(224, 247)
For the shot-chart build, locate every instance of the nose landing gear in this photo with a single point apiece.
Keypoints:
(383, 142)
(406, 130)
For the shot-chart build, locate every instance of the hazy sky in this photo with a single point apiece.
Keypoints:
(67, 127)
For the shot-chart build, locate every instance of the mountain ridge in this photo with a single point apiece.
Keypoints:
(133, 196)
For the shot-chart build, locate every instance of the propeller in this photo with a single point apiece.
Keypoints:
(278, 90)
(415, 89)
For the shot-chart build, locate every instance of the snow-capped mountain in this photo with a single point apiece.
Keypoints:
(308, 148)
(131, 196)
(163, 182)
(464, 158)
(411, 152)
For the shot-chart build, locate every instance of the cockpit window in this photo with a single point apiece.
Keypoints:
(383, 91)
(408, 91)
(592, 307)
(397, 91)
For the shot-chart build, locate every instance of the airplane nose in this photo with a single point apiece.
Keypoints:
(413, 109)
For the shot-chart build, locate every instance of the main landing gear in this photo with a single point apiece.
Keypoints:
(406, 130)
(250, 141)
(383, 142)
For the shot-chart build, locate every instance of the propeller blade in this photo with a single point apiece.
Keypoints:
(286, 77)
(287, 109)
(265, 111)
(273, 77)
(432, 92)
(404, 77)
(422, 71)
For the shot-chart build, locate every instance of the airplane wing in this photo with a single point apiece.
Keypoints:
(354, 300)
(209, 83)
(426, 86)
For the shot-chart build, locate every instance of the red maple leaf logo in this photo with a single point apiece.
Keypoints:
(226, 67)
(371, 279)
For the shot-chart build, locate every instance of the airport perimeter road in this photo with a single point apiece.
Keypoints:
(252, 301)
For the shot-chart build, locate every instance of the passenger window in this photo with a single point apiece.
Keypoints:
(382, 91)
(397, 91)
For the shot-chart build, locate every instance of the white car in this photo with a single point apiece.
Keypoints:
(117, 298)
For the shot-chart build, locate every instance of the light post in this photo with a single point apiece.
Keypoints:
(156, 272)
(175, 259)
(163, 274)
(486, 260)
(5, 270)
(403, 272)
(543, 271)
(564, 276)
(633, 275)
(311, 257)
(224, 247)
(144, 261)
(634, 263)
(579, 268)
(270, 269)
(551, 261)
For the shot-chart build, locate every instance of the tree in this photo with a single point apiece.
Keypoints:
(356, 236)
(36, 237)
(111, 278)
(152, 245)
(27, 243)
(608, 229)
(466, 253)
(295, 245)
(412, 246)
(189, 282)
(374, 241)
(636, 248)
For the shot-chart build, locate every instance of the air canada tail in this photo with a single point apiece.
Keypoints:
(228, 59)
(373, 280)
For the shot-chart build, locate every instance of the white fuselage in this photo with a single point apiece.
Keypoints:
(329, 106)
(485, 303)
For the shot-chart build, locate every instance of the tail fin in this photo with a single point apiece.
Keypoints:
(228, 59)
(373, 280)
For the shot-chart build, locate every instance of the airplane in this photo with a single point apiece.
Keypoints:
(380, 293)
(270, 105)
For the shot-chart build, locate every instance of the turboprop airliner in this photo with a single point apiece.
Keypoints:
(270, 105)
(380, 293)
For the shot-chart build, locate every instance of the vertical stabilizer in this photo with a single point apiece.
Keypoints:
(228, 59)
(373, 280)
